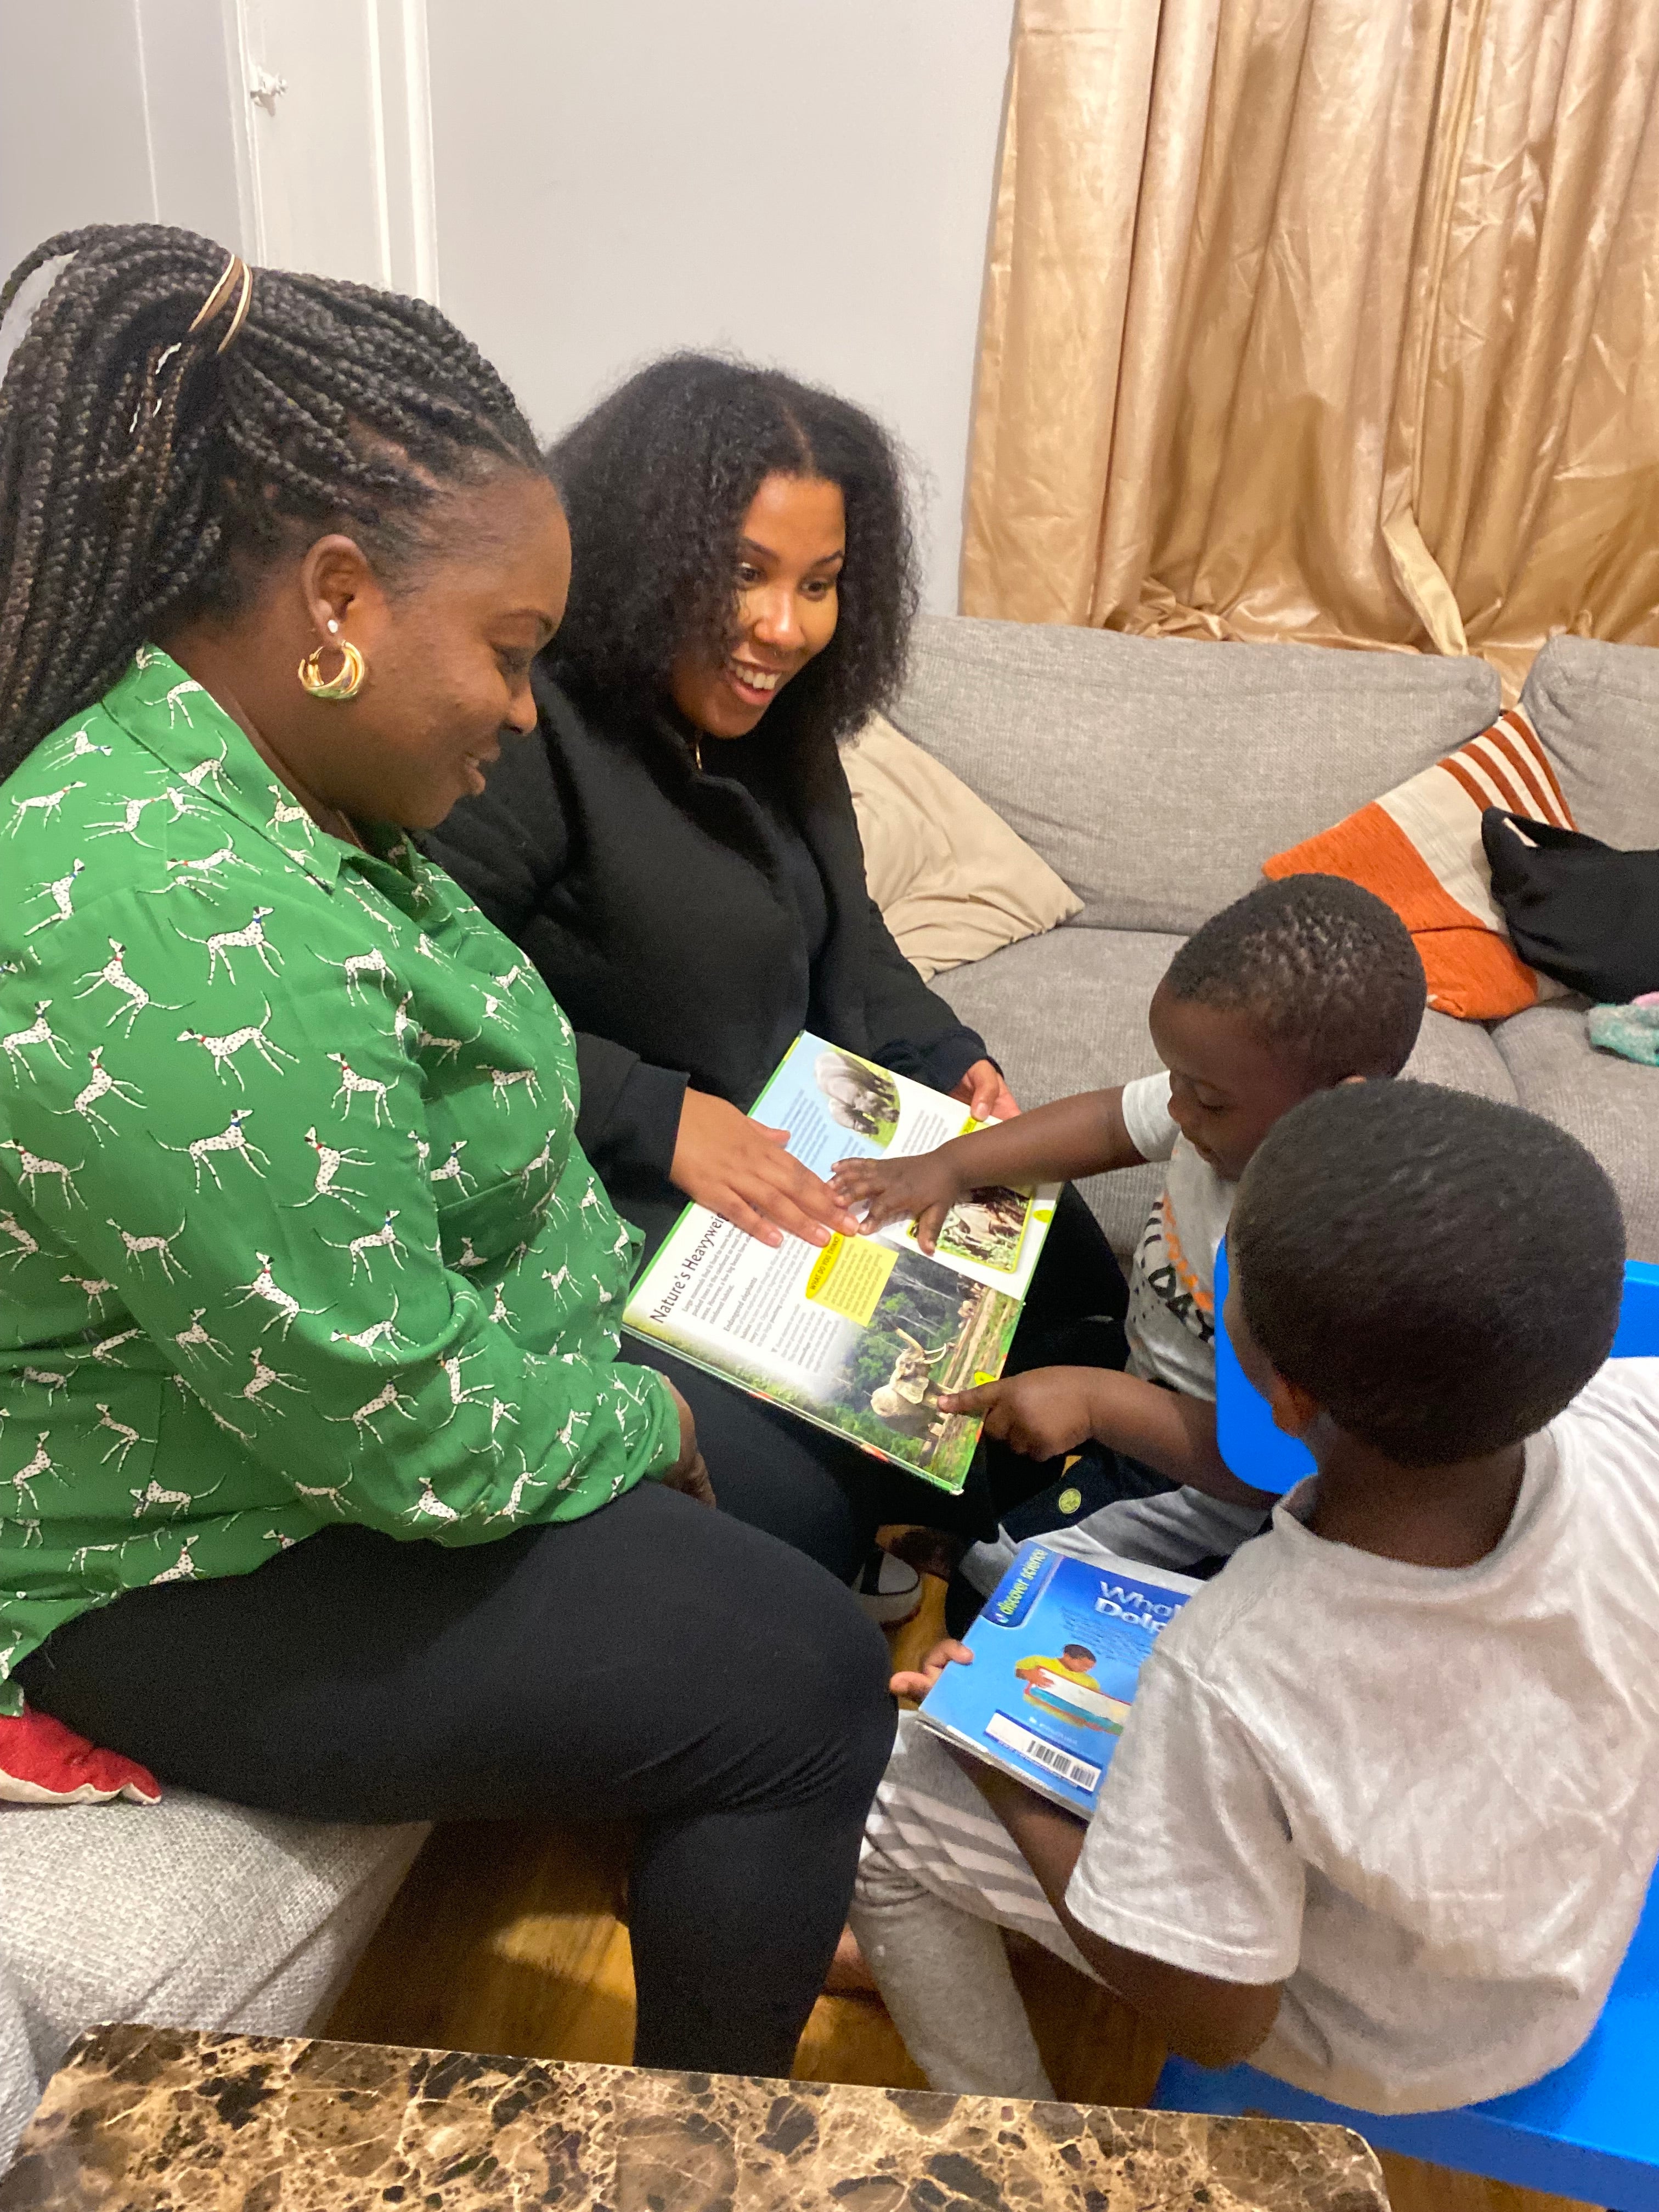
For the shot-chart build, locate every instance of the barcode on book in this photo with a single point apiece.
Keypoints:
(1042, 1753)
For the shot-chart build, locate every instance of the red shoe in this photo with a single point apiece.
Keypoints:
(43, 1763)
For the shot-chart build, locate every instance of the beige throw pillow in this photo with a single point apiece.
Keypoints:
(953, 880)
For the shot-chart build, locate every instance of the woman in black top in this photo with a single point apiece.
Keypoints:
(677, 852)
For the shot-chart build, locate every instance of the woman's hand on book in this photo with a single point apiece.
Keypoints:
(740, 1170)
(1040, 1414)
(985, 1094)
(915, 1682)
(922, 1189)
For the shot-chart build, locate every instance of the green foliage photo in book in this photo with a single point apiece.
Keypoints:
(861, 1336)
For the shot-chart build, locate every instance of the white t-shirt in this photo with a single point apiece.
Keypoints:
(1171, 1331)
(1428, 1797)
(1171, 1325)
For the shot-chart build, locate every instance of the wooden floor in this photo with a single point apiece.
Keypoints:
(505, 1938)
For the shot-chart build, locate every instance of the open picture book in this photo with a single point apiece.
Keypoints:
(861, 1336)
(1057, 1652)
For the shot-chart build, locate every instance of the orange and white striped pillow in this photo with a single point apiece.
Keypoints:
(1418, 847)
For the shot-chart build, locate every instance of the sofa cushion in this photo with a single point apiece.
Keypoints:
(1610, 1104)
(21, 2079)
(187, 1914)
(1158, 774)
(1596, 708)
(1067, 1012)
(1463, 1055)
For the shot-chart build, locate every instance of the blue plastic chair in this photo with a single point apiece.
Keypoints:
(1591, 2128)
(1264, 1456)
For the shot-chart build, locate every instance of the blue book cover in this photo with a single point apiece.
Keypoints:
(1057, 1652)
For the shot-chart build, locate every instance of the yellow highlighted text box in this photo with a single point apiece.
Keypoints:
(849, 1276)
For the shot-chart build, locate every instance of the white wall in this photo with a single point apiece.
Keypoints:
(583, 183)
(807, 182)
(339, 138)
(141, 111)
(114, 110)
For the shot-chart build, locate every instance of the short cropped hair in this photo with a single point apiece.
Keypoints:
(1440, 1272)
(1323, 969)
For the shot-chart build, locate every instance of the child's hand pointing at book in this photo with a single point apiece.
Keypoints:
(1042, 1413)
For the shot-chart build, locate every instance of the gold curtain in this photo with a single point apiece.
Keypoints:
(1326, 320)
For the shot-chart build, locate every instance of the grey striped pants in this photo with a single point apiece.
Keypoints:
(938, 1878)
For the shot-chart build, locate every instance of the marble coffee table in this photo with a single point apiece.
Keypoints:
(170, 2120)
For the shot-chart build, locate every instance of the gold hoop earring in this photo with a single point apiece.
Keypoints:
(347, 684)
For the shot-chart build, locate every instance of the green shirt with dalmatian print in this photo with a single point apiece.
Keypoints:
(293, 1225)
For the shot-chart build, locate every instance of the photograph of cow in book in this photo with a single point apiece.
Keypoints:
(987, 1226)
(931, 1332)
(862, 1097)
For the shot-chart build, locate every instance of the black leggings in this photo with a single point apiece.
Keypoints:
(655, 1663)
(826, 1497)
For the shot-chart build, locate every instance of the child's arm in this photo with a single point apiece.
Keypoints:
(1214, 2023)
(1081, 1136)
(1051, 1410)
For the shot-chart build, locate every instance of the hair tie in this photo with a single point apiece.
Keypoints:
(236, 272)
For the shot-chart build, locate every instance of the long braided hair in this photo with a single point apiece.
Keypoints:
(146, 476)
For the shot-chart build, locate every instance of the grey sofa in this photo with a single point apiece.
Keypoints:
(188, 1913)
(1157, 774)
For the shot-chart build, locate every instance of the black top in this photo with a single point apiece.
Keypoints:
(675, 916)
(746, 763)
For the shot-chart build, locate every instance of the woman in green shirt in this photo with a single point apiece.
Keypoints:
(322, 1487)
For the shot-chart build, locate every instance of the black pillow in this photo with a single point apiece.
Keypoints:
(1576, 909)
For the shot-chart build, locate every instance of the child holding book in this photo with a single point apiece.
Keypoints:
(1300, 985)
(1387, 1804)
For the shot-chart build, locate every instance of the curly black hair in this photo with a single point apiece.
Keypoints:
(1324, 970)
(656, 481)
(146, 474)
(1442, 1273)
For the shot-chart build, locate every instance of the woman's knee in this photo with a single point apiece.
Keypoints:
(838, 1697)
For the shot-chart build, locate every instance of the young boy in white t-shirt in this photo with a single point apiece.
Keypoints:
(1301, 984)
(1387, 1805)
